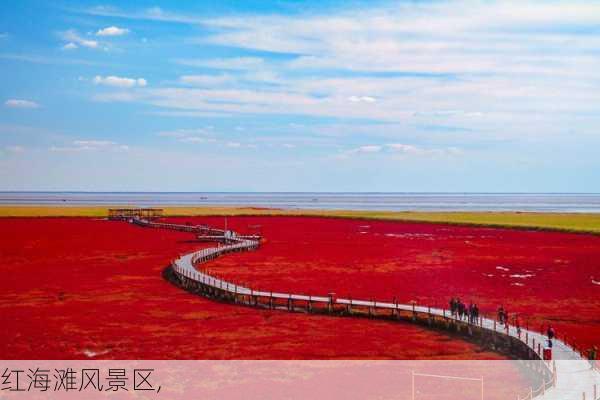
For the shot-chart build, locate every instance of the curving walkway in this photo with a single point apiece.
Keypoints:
(569, 377)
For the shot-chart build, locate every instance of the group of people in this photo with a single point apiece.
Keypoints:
(470, 313)
(459, 310)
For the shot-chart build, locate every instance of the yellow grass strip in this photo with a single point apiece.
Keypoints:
(575, 222)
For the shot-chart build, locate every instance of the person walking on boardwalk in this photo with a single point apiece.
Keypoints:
(461, 309)
(501, 315)
(470, 313)
(550, 332)
(456, 307)
(453, 307)
(592, 356)
(475, 313)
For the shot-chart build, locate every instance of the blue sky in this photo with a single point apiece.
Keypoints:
(300, 96)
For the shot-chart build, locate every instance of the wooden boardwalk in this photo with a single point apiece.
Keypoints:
(567, 377)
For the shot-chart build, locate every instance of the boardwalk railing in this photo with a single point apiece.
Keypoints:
(523, 343)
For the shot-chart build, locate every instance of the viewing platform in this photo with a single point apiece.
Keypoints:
(139, 213)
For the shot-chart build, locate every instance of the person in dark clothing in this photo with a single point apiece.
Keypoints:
(453, 307)
(550, 333)
(461, 309)
(501, 315)
(592, 356)
(475, 313)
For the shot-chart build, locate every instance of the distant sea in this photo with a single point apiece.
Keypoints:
(551, 202)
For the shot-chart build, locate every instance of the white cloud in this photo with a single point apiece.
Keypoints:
(194, 139)
(365, 149)
(233, 63)
(403, 148)
(72, 36)
(90, 145)
(120, 82)
(408, 149)
(206, 80)
(172, 134)
(179, 133)
(400, 149)
(368, 149)
(93, 143)
(399, 30)
(19, 103)
(70, 46)
(196, 135)
(476, 67)
(152, 14)
(362, 99)
(203, 135)
(112, 31)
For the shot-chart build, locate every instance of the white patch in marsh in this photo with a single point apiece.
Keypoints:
(517, 284)
(595, 282)
(522, 276)
(364, 228)
(92, 354)
(502, 268)
(409, 235)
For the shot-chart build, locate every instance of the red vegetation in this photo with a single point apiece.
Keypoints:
(546, 277)
(77, 288)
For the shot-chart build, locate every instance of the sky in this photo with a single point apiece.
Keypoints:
(410, 96)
